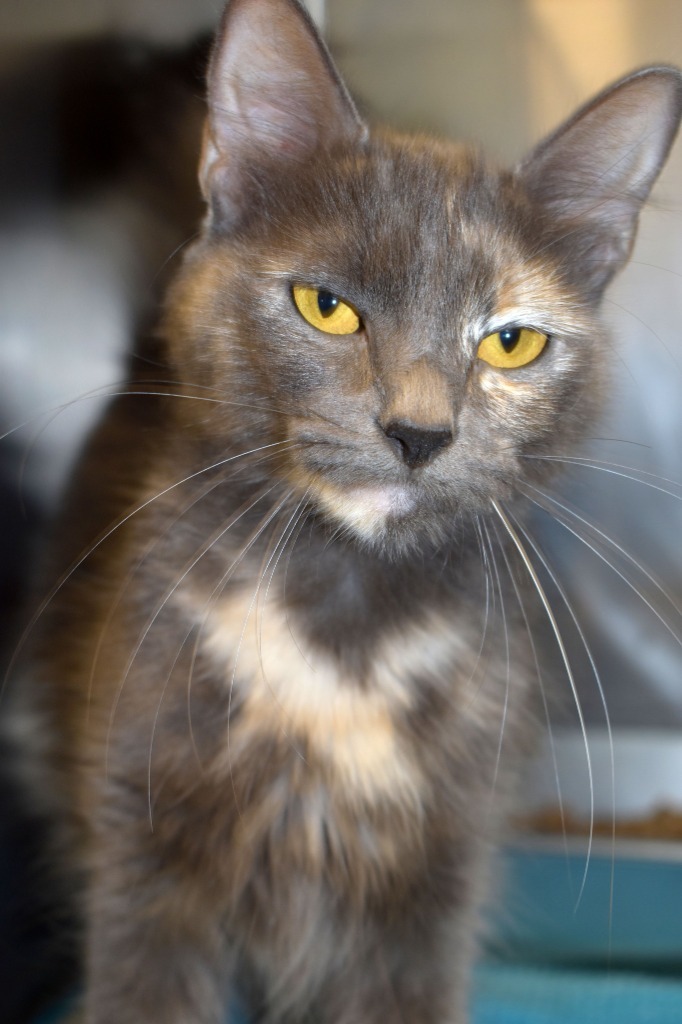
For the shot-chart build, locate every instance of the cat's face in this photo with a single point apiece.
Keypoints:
(399, 422)
(406, 324)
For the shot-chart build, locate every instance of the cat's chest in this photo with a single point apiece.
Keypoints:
(352, 728)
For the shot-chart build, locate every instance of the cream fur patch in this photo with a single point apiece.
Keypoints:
(348, 723)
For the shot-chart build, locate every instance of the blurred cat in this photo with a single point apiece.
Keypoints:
(282, 692)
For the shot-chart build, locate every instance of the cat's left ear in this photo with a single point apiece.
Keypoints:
(594, 173)
(274, 97)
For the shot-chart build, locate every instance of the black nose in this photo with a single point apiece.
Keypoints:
(418, 444)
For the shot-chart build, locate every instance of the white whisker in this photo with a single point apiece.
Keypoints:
(153, 543)
(486, 613)
(240, 644)
(109, 532)
(142, 636)
(234, 519)
(613, 468)
(607, 720)
(530, 568)
(572, 513)
(505, 632)
(648, 328)
(545, 706)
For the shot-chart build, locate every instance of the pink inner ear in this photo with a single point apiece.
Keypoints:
(598, 168)
(613, 148)
(273, 92)
(279, 128)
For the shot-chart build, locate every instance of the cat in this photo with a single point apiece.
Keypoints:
(283, 688)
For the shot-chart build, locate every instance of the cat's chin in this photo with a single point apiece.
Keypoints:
(368, 511)
(388, 519)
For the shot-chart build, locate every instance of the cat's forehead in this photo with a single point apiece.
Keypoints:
(405, 220)
(418, 188)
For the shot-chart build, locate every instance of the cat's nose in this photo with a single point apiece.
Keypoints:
(418, 445)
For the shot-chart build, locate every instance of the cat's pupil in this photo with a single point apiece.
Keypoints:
(509, 338)
(326, 303)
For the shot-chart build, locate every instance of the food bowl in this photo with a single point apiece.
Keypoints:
(612, 895)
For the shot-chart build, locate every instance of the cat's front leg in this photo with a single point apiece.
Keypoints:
(401, 975)
(154, 954)
(400, 1001)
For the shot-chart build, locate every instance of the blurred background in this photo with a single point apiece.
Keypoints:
(100, 112)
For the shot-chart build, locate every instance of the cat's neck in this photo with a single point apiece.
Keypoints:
(347, 596)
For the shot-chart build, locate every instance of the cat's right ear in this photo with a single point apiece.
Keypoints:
(274, 96)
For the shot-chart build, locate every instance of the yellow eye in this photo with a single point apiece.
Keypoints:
(512, 347)
(325, 311)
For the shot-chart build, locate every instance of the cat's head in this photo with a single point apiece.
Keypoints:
(406, 323)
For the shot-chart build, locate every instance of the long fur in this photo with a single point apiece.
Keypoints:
(281, 692)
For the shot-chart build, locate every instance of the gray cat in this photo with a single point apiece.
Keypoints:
(281, 696)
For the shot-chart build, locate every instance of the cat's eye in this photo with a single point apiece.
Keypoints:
(325, 311)
(512, 347)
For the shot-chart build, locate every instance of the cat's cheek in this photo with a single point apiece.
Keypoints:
(521, 406)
